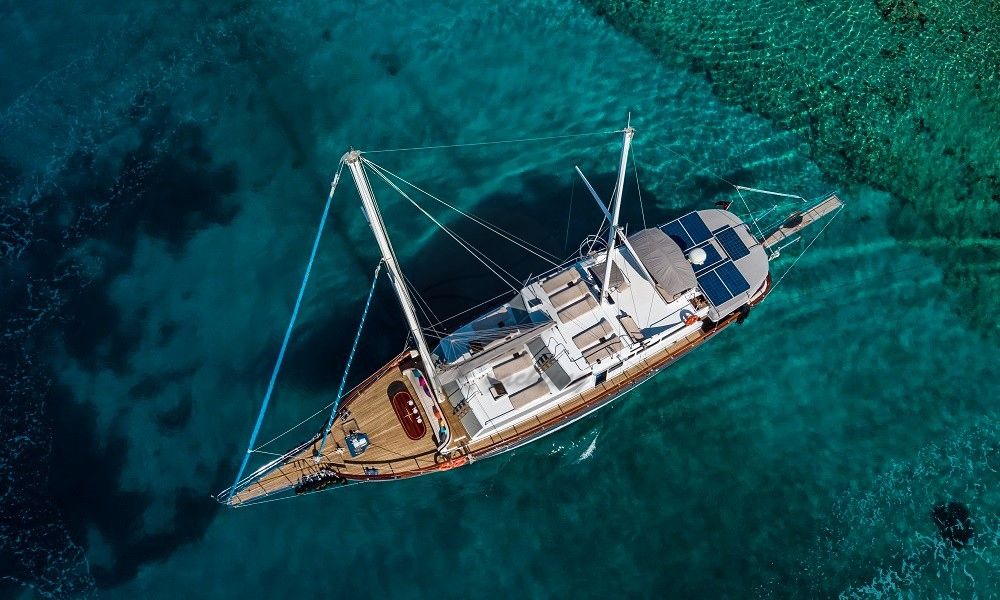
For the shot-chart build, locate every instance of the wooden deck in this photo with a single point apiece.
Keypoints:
(393, 455)
(793, 226)
(368, 409)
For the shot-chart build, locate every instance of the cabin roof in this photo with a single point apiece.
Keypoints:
(512, 360)
(737, 264)
(664, 260)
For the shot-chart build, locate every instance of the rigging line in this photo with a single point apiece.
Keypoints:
(446, 319)
(696, 165)
(420, 303)
(465, 245)
(767, 212)
(478, 220)
(569, 216)
(752, 218)
(511, 141)
(292, 428)
(350, 359)
(597, 198)
(475, 252)
(597, 236)
(721, 178)
(490, 333)
(258, 451)
(416, 293)
(265, 499)
(760, 191)
(830, 222)
(439, 333)
(635, 169)
(510, 237)
(773, 224)
(523, 244)
(288, 334)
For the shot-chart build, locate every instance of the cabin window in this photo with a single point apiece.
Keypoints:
(600, 378)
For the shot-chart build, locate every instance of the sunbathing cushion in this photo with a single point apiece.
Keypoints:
(604, 350)
(631, 328)
(529, 394)
(560, 280)
(618, 281)
(513, 365)
(592, 334)
(577, 309)
(568, 295)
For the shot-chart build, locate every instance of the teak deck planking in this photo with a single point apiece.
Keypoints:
(395, 455)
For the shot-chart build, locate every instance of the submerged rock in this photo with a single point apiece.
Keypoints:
(954, 523)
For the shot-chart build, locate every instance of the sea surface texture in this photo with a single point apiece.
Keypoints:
(163, 167)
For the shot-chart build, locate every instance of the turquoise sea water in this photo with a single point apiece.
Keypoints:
(162, 170)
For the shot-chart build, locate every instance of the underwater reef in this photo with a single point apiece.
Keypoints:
(903, 95)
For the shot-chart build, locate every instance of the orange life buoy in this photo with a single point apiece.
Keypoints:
(451, 464)
(692, 319)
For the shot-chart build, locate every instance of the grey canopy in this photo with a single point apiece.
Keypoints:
(664, 260)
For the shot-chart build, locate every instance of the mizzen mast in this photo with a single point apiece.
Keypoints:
(616, 204)
(353, 161)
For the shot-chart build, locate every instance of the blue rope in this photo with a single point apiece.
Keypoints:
(350, 359)
(288, 335)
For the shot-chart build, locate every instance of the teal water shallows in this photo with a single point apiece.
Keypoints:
(162, 170)
(901, 94)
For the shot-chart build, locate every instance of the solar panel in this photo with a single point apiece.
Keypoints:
(732, 277)
(712, 255)
(731, 242)
(696, 228)
(714, 288)
(677, 233)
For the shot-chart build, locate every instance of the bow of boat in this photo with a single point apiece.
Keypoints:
(388, 427)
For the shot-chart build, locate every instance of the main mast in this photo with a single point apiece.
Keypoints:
(616, 205)
(353, 161)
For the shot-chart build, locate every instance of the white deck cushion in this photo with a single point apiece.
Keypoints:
(604, 350)
(513, 365)
(568, 295)
(592, 334)
(561, 280)
(530, 393)
(577, 309)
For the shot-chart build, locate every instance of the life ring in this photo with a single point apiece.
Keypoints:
(451, 464)
(692, 319)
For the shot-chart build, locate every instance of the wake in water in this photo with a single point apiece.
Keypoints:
(565, 447)
(591, 447)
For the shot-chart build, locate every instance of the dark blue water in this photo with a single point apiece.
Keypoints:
(162, 171)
